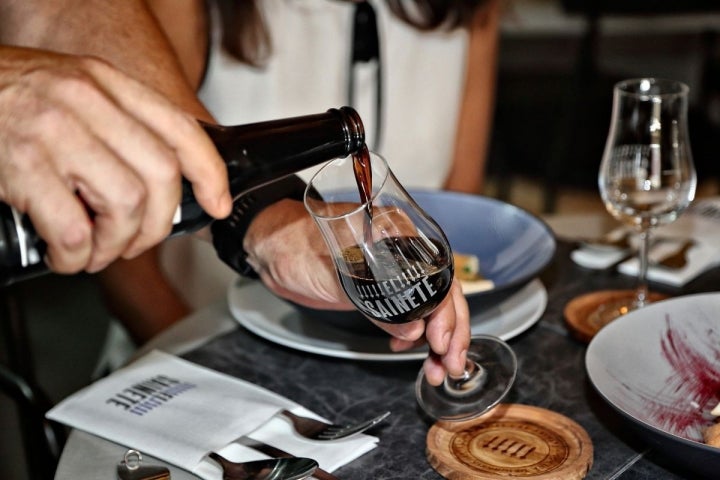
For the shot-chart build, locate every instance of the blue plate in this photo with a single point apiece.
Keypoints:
(513, 246)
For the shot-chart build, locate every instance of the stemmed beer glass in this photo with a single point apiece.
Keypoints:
(395, 264)
(647, 177)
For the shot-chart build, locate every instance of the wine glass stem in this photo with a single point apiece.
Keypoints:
(642, 288)
(472, 380)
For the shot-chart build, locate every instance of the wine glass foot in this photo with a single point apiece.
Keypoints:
(490, 373)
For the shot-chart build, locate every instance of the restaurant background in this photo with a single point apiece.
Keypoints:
(552, 115)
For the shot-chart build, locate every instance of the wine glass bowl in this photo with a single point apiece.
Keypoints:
(647, 177)
(395, 263)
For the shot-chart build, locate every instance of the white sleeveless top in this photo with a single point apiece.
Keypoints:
(307, 72)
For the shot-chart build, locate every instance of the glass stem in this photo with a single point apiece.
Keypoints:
(470, 382)
(642, 288)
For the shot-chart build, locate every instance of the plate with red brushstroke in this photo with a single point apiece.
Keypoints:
(659, 366)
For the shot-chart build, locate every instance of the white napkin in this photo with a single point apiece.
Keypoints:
(700, 223)
(702, 256)
(178, 411)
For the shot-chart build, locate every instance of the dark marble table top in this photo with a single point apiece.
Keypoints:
(551, 375)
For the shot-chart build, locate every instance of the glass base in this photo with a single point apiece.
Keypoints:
(491, 371)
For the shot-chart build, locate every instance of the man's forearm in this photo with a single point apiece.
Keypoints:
(123, 33)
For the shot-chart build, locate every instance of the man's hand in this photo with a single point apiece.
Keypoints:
(95, 157)
(446, 331)
(287, 250)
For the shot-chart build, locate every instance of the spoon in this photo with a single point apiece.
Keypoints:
(295, 468)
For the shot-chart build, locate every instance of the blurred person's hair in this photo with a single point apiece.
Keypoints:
(246, 37)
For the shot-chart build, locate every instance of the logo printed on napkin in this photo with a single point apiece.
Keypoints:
(143, 397)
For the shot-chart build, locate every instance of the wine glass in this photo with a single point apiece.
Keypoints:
(395, 264)
(647, 177)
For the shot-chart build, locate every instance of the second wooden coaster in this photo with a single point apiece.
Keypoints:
(511, 441)
(580, 312)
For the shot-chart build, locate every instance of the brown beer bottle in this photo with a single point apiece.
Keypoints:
(255, 154)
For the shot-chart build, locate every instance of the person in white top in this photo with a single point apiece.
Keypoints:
(78, 135)
(422, 76)
(435, 113)
(278, 58)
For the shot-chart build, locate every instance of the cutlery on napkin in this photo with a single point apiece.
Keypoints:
(290, 468)
(680, 252)
(664, 253)
(179, 412)
(275, 452)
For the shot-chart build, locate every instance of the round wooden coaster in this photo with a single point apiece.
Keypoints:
(511, 441)
(580, 316)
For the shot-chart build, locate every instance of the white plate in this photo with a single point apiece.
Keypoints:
(658, 366)
(258, 310)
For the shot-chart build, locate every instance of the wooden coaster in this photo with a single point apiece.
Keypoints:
(511, 441)
(580, 312)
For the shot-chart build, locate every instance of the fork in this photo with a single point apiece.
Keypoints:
(317, 430)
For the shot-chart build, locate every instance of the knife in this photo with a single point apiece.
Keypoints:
(275, 452)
